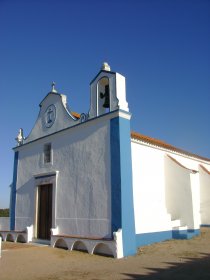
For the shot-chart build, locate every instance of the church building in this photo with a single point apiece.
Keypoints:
(87, 182)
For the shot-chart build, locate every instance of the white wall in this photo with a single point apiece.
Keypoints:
(204, 196)
(149, 189)
(178, 193)
(195, 188)
(165, 189)
(83, 191)
(189, 162)
(4, 223)
(81, 155)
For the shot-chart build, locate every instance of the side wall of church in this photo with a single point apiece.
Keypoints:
(199, 188)
(169, 190)
(178, 193)
(205, 196)
(152, 222)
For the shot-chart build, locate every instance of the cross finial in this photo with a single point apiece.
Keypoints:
(53, 87)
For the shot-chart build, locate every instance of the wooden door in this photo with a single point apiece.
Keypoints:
(44, 211)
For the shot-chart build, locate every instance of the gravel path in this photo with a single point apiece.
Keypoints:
(174, 259)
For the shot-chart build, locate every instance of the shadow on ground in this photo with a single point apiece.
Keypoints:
(187, 269)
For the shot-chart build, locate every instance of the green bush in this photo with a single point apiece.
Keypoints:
(4, 212)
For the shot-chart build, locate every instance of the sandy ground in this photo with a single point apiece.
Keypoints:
(174, 259)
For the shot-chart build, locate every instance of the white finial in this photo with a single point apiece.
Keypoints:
(105, 67)
(53, 87)
(20, 137)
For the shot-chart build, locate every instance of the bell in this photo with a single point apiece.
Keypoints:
(106, 97)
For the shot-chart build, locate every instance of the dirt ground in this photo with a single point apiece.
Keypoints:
(174, 259)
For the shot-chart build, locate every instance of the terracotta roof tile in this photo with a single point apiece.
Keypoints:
(164, 145)
(178, 163)
(76, 115)
(204, 169)
(156, 142)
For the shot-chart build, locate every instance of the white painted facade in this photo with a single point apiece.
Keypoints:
(4, 223)
(149, 189)
(74, 183)
(171, 190)
(112, 190)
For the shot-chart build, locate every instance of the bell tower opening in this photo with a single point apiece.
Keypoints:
(103, 98)
(107, 93)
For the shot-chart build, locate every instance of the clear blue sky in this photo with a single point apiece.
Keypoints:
(162, 47)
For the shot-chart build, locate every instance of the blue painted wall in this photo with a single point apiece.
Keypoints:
(185, 234)
(121, 183)
(143, 239)
(116, 221)
(13, 193)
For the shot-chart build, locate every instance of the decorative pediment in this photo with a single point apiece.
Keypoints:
(54, 116)
(108, 94)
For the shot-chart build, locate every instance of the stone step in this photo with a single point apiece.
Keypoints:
(181, 228)
(175, 223)
(40, 242)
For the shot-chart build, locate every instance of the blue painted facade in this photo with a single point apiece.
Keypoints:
(121, 183)
(185, 234)
(116, 217)
(13, 192)
(152, 237)
(205, 225)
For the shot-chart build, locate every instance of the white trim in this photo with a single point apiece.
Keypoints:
(168, 150)
(124, 115)
(118, 113)
(89, 122)
(51, 173)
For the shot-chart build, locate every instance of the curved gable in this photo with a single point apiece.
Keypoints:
(53, 117)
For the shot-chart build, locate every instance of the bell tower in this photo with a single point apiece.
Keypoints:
(107, 92)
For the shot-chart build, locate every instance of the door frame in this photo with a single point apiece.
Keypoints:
(44, 179)
(44, 221)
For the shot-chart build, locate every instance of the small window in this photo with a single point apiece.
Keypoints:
(47, 153)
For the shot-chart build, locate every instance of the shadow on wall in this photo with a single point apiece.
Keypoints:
(186, 269)
(24, 205)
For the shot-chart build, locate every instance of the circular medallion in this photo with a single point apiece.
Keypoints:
(50, 115)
